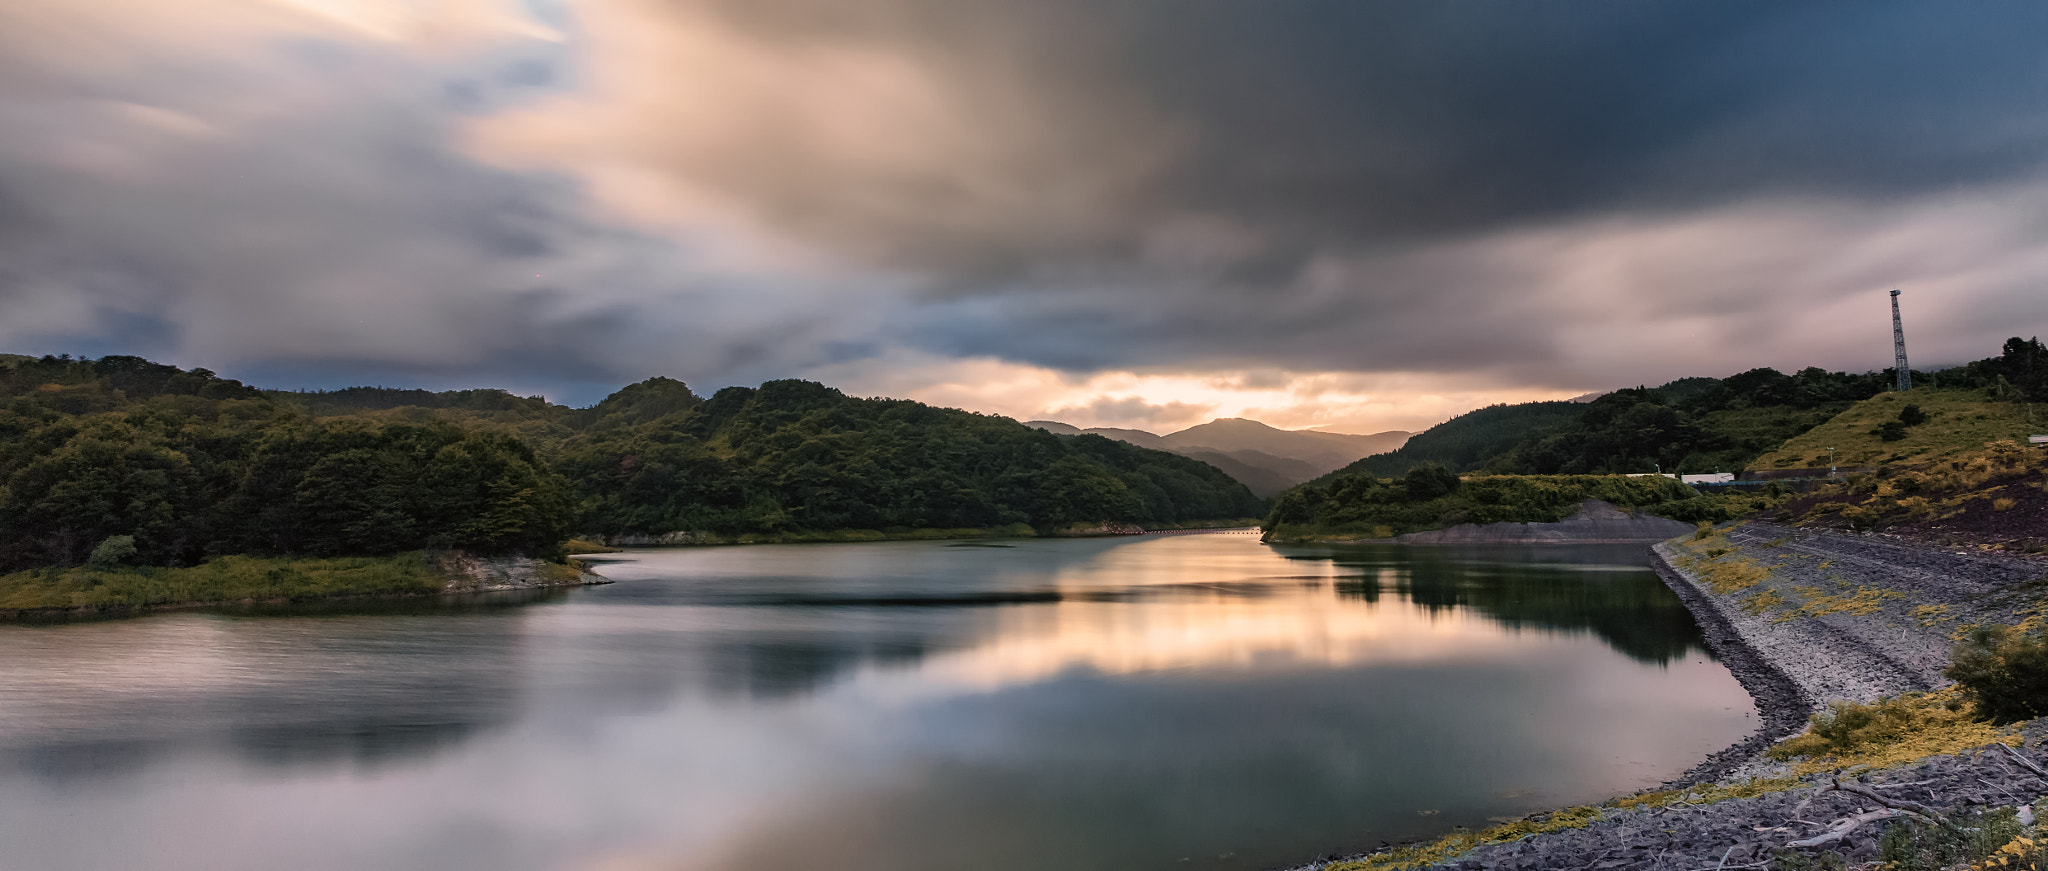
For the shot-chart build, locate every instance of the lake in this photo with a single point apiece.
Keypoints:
(1136, 703)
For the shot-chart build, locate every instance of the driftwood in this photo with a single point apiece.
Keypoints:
(2023, 761)
(1891, 808)
(1913, 807)
(1847, 825)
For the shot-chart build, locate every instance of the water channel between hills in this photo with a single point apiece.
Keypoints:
(1138, 704)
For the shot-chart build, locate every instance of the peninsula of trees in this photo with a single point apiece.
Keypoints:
(130, 462)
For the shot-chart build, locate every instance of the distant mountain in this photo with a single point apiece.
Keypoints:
(1266, 459)
(1325, 451)
(1262, 473)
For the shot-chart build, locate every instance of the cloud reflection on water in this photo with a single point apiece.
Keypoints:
(766, 708)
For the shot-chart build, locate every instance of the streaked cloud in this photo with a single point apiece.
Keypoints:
(1363, 216)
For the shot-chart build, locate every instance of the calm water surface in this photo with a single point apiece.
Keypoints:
(1168, 702)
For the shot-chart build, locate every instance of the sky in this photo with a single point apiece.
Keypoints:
(1356, 216)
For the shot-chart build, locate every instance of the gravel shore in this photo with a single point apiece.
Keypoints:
(1835, 616)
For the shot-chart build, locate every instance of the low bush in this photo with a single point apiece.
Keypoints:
(2003, 671)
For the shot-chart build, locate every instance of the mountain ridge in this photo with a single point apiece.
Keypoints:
(1263, 457)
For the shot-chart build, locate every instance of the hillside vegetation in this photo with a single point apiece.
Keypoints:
(1995, 497)
(188, 466)
(793, 456)
(1533, 462)
(1466, 442)
(179, 467)
(1431, 497)
(1955, 421)
(1691, 425)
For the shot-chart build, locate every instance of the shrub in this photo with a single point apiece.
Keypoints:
(1911, 415)
(113, 551)
(1429, 481)
(1891, 431)
(2004, 671)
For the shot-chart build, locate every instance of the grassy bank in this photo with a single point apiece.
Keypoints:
(1957, 422)
(223, 580)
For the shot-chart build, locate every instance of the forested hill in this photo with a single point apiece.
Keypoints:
(1690, 425)
(189, 466)
(1466, 441)
(169, 467)
(793, 456)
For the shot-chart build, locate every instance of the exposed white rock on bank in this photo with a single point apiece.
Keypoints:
(468, 573)
(1594, 522)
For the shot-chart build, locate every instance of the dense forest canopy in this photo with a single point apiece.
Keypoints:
(190, 466)
(1466, 441)
(187, 465)
(794, 455)
(1690, 425)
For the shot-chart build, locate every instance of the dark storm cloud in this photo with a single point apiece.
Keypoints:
(1561, 195)
(1354, 122)
(1341, 185)
(1370, 124)
(298, 209)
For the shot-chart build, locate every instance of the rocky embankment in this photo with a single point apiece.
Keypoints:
(468, 573)
(1803, 618)
(1594, 522)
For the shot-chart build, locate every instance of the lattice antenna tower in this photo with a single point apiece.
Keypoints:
(1899, 346)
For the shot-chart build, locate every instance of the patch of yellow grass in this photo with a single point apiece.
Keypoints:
(1759, 602)
(1708, 793)
(1458, 843)
(1715, 560)
(1863, 603)
(1928, 615)
(1889, 733)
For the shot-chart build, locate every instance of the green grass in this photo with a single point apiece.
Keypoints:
(1959, 421)
(227, 579)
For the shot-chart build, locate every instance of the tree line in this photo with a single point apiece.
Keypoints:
(179, 466)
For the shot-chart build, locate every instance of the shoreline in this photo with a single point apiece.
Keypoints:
(1782, 706)
(459, 575)
(1801, 618)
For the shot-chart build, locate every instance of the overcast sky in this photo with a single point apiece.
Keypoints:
(1347, 214)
